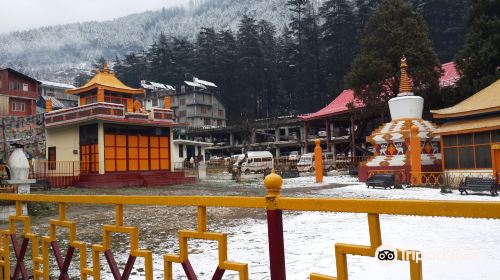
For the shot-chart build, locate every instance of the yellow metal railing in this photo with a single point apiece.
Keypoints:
(451, 179)
(274, 203)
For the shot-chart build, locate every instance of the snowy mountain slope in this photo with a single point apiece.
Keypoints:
(57, 52)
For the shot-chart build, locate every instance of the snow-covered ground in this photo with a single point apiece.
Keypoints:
(452, 248)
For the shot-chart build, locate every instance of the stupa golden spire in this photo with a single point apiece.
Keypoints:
(404, 83)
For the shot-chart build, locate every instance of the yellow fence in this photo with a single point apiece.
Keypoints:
(450, 179)
(273, 203)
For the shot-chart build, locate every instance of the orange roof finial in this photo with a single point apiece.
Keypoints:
(404, 82)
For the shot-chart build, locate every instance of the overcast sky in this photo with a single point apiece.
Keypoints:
(18, 15)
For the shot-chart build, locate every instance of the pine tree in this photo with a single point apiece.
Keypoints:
(446, 21)
(479, 60)
(249, 59)
(339, 40)
(182, 61)
(395, 29)
(226, 67)
(84, 77)
(206, 53)
(312, 63)
(267, 42)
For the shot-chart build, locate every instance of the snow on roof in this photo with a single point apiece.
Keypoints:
(339, 105)
(205, 83)
(55, 84)
(155, 85)
(195, 84)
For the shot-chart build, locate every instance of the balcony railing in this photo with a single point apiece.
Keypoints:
(102, 109)
(273, 203)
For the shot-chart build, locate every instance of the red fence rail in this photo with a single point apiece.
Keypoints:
(56, 173)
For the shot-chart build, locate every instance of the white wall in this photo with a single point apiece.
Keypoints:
(65, 139)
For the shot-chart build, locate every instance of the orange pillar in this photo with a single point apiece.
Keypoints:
(318, 161)
(167, 102)
(48, 105)
(100, 95)
(416, 157)
(130, 105)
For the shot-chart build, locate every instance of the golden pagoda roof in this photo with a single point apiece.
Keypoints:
(485, 101)
(107, 80)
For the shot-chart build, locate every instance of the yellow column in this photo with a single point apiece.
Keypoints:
(318, 161)
(416, 157)
(100, 94)
(100, 144)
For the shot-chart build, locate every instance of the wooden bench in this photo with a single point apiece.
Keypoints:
(381, 180)
(479, 184)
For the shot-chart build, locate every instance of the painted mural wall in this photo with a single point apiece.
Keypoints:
(27, 130)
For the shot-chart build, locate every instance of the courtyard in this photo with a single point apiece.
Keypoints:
(452, 248)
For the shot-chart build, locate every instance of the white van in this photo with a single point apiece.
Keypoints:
(258, 161)
(306, 162)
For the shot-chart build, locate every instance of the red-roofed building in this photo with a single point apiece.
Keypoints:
(338, 109)
(18, 93)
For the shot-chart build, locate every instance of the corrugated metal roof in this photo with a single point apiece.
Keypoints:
(55, 102)
(55, 84)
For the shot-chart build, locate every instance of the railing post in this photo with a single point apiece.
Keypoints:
(273, 183)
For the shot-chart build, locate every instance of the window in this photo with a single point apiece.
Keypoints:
(181, 150)
(207, 121)
(25, 87)
(91, 99)
(469, 151)
(52, 158)
(221, 113)
(182, 101)
(18, 106)
(203, 110)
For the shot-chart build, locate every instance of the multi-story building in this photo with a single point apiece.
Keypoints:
(197, 105)
(18, 93)
(56, 90)
(155, 94)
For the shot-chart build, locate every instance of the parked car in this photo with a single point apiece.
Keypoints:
(256, 162)
(322, 133)
(307, 164)
(293, 156)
